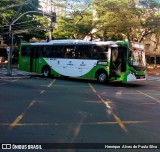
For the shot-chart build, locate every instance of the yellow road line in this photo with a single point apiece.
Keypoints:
(51, 83)
(43, 91)
(103, 101)
(16, 121)
(9, 81)
(158, 101)
(121, 124)
(58, 124)
(15, 80)
(92, 88)
(124, 122)
(20, 117)
(31, 104)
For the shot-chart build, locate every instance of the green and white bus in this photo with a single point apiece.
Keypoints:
(103, 60)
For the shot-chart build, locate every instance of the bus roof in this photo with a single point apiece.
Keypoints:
(70, 41)
(73, 41)
(104, 42)
(77, 41)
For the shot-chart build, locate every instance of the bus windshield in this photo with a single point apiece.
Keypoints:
(137, 57)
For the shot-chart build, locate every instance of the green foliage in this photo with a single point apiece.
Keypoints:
(37, 34)
(10, 10)
(97, 19)
(76, 25)
(131, 18)
(18, 14)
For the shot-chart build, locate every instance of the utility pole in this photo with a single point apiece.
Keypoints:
(49, 3)
(9, 51)
(10, 43)
(15, 19)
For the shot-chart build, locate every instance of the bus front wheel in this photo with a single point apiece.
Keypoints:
(102, 77)
(46, 71)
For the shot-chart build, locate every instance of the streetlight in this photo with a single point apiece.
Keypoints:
(10, 34)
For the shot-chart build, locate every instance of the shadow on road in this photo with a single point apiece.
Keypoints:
(93, 81)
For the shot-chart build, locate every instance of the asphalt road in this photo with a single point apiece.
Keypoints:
(55, 110)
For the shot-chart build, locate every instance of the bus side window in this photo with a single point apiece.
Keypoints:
(35, 51)
(95, 52)
(46, 51)
(69, 51)
(100, 52)
(26, 51)
(58, 51)
(84, 52)
(53, 51)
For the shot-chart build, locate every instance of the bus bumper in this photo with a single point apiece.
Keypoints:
(132, 77)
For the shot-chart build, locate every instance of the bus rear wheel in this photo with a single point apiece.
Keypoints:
(102, 77)
(46, 71)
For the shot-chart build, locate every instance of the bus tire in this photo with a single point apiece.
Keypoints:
(46, 71)
(102, 77)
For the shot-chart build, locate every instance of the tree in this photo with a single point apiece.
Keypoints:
(130, 18)
(76, 26)
(17, 16)
(115, 17)
(76, 23)
(151, 26)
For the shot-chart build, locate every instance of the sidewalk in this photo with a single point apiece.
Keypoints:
(15, 73)
(153, 71)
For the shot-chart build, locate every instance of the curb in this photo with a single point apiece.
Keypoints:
(14, 76)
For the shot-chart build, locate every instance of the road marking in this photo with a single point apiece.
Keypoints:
(20, 117)
(65, 124)
(158, 101)
(8, 81)
(104, 101)
(124, 122)
(51, 83)
(43, 91)
(149, 103)
(92, 88)
(92, 101)
(120, 93)
(15, 80)
(2, 83)
(121, 124)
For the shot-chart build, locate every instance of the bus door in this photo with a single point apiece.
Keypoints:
(118, 61)
(24, 58)
(34, 59)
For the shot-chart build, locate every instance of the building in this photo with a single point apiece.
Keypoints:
(152, 49)
(49, 6)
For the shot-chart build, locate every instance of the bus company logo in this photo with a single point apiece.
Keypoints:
(6, 146)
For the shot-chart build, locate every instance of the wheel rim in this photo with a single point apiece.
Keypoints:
(102, 77)
(46, 72)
